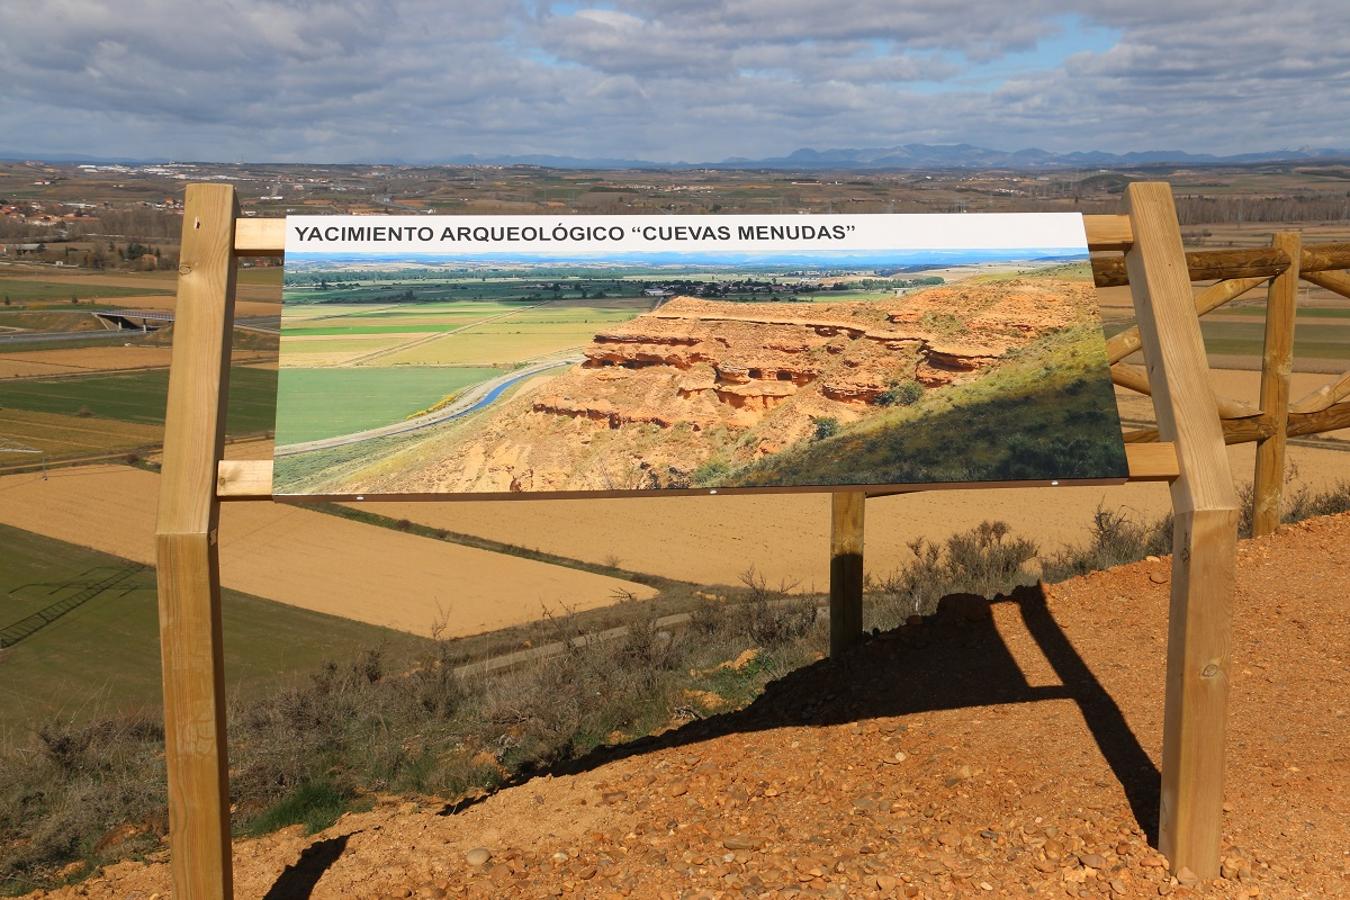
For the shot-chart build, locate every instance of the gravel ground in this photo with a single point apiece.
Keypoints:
(1004, 749)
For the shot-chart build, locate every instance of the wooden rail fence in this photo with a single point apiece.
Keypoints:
(1269, 425)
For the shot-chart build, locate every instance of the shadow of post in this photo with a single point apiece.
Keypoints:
(956, 659)
(297, 881)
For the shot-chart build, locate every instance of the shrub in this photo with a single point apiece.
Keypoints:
(825, 427)
(983, 560)
(906, 392)
(1115, 538)
(773, 617)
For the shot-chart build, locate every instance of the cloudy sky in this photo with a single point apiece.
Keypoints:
(695, 80)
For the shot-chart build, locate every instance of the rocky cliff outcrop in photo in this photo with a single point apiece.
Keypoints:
(670, 397)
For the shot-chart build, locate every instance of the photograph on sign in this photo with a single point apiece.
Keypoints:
(504, 355)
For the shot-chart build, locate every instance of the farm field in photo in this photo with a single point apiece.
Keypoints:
(682, 371)
(50, 291)
(364, 396)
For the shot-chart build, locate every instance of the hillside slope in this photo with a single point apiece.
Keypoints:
(1005, 749)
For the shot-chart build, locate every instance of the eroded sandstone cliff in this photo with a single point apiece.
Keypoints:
(666, 398)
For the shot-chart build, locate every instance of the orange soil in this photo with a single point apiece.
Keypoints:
(1003, 750)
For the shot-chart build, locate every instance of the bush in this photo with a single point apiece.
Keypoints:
(773, 617)
(983, 560)
(901, 393)
(825, 427)
(1115, 538)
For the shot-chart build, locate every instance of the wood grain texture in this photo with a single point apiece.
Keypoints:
(1199, 626)
(260, 237)
(1152, 462)
(1315, 401)
(1325, 257)
(1209, 265)
(1336, 282)
(1277, 362)
(1204, 538)
(244, 479)
(1126, 342)
(187, 563)
(846, 569)
(1332, 418)
(1108, 232)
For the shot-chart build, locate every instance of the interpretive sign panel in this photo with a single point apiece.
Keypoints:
(507, 355)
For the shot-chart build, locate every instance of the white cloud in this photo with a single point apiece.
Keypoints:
(682, 79)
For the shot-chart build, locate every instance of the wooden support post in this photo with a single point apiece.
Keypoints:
(1204, 542)
(186, 550)
(846, 569)
(1277, 361)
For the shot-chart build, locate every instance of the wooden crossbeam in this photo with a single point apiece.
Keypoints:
(1336, 282)
(1209, 265)
(1326, 395)
(251, 479)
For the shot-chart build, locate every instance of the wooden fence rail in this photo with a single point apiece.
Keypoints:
(1275, 418)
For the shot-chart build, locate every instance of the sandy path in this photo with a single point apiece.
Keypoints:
(312, 560)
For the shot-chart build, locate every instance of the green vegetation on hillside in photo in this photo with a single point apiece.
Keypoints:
(1047, 413)
(102, 657)
(141, 397)
(323, 403)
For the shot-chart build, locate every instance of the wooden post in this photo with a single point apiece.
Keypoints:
(846, 569)
(186, 550)
(1204, 542)
(1277, 361)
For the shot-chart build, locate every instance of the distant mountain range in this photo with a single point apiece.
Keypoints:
(904, 156)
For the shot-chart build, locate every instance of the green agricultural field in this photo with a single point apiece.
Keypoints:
(140, 397)
(489, 349)
(350, 344)
(103, 656)
(22, 290)
(322, 403)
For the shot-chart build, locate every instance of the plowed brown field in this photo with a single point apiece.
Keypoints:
(714, 540)
(92, 360)
(313, 560)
